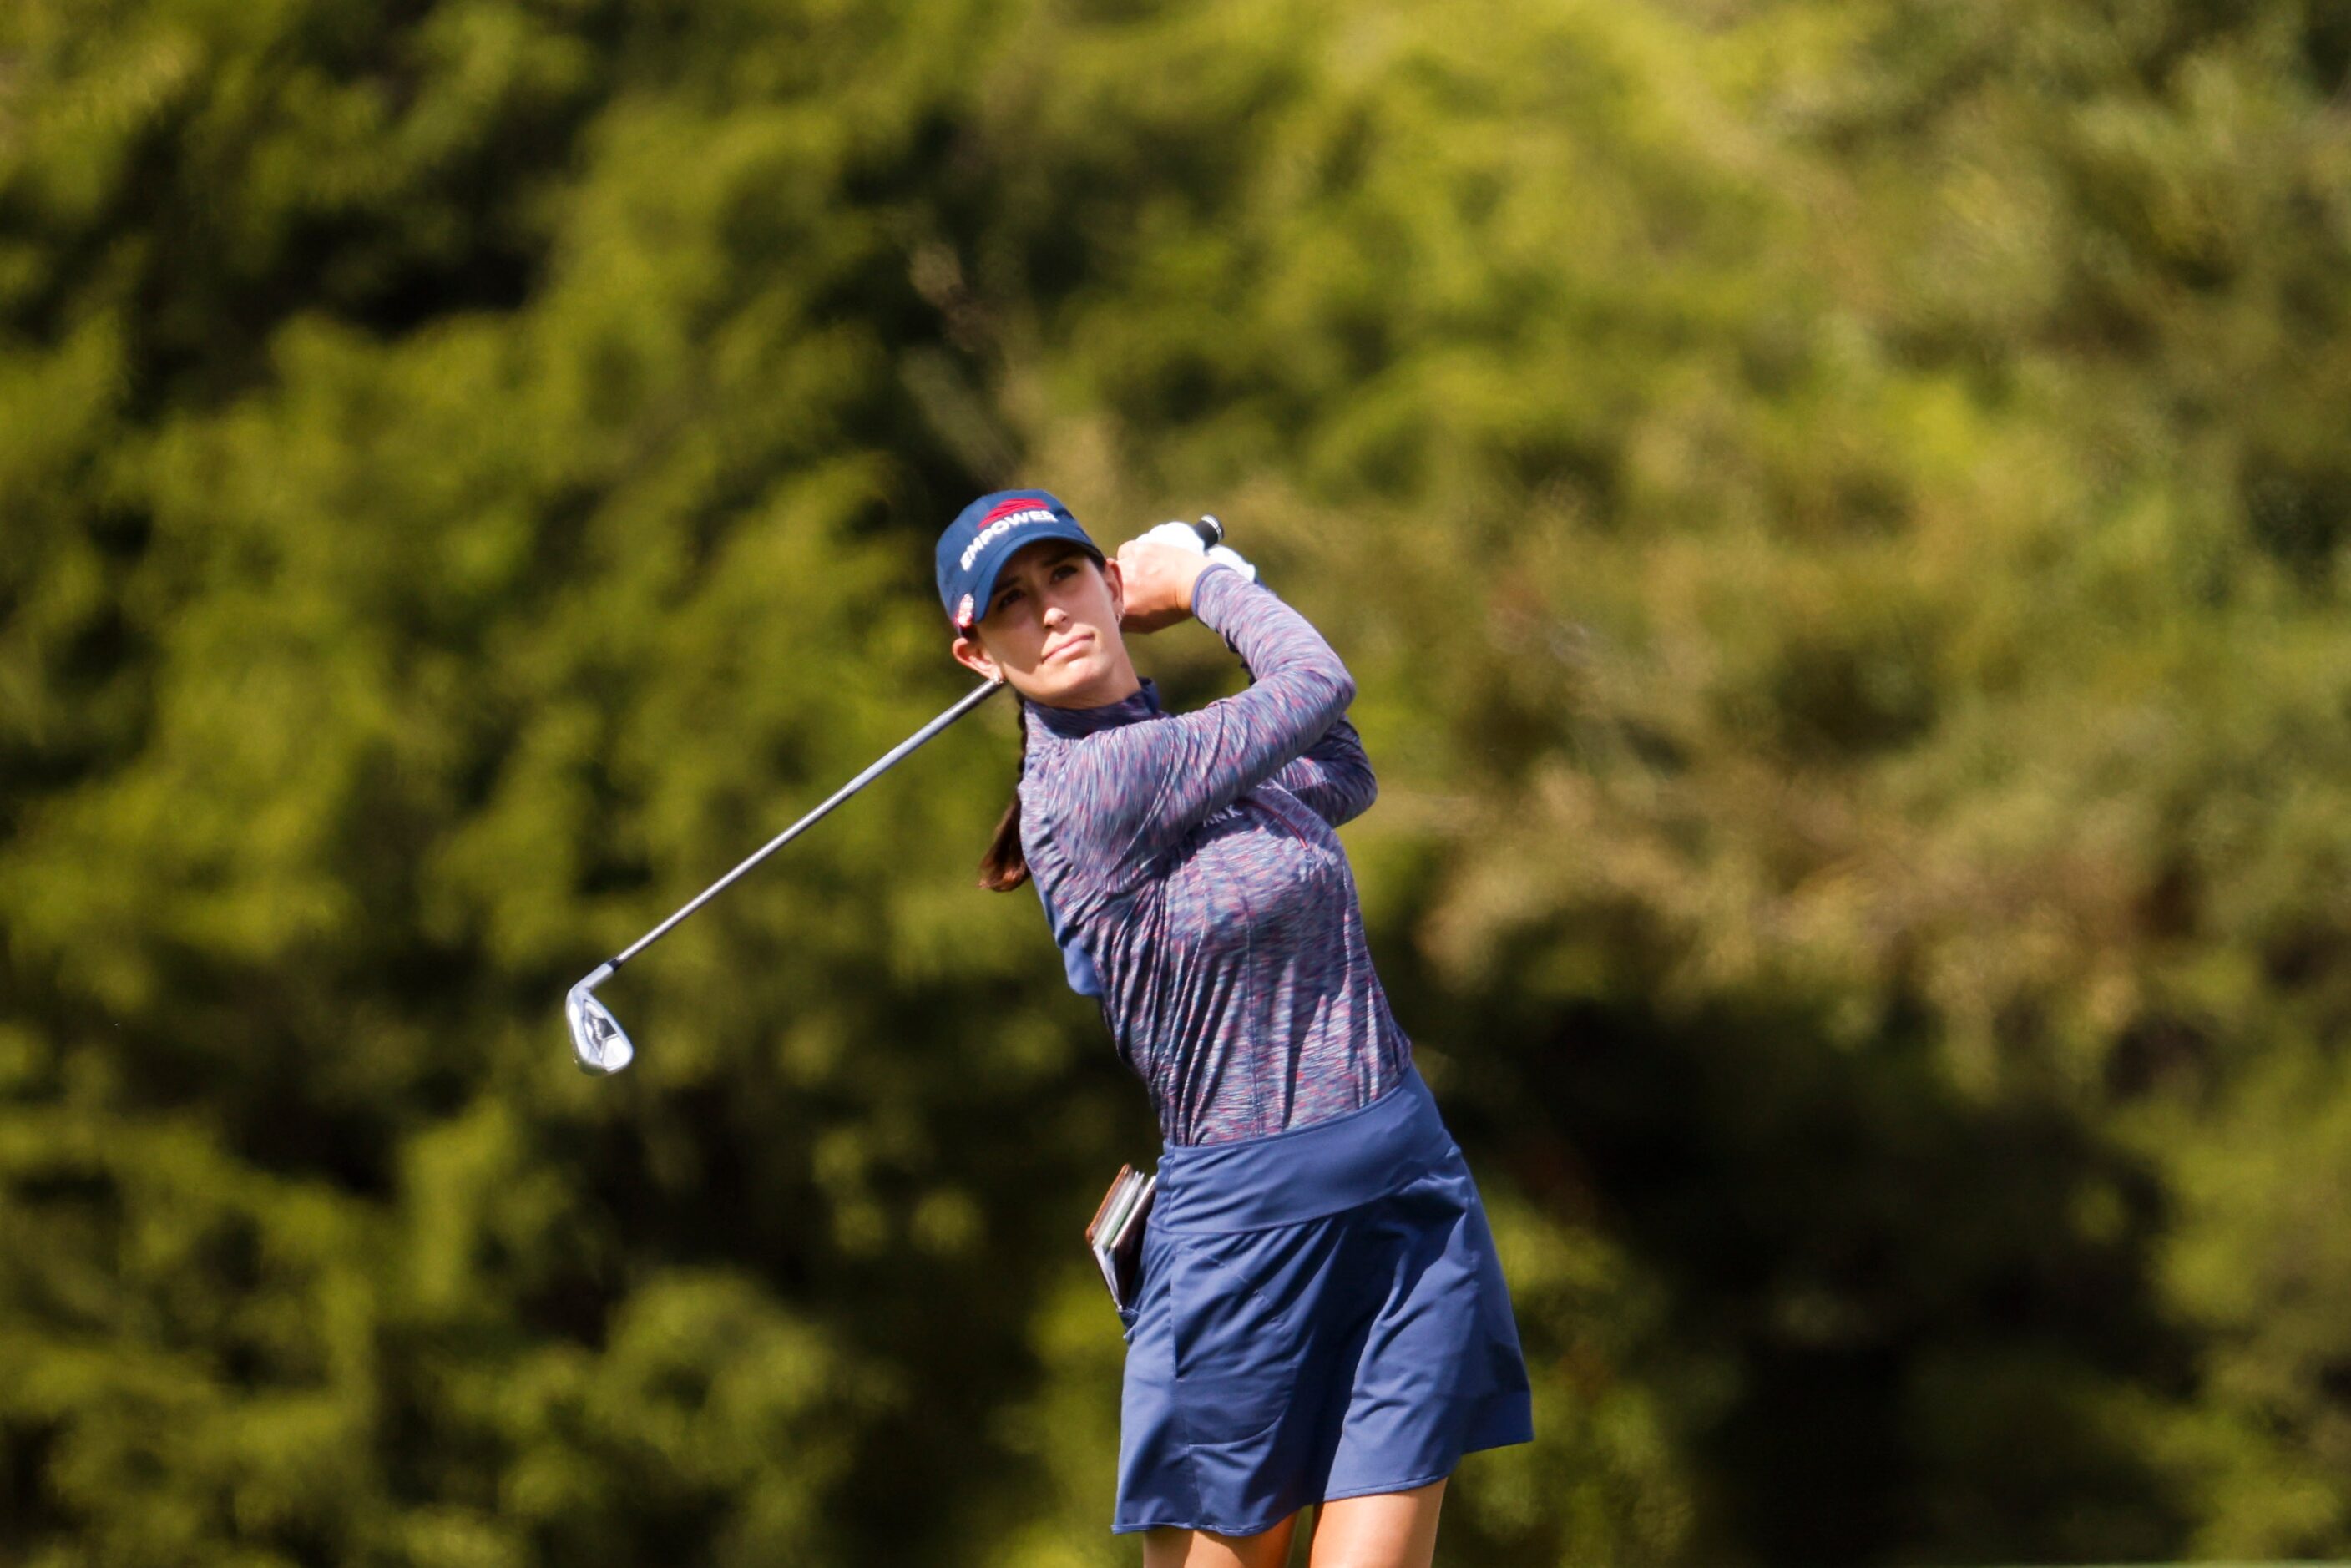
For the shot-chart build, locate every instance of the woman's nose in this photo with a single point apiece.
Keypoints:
(1056, 614)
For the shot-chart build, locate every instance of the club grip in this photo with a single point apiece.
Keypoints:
(1207, 535)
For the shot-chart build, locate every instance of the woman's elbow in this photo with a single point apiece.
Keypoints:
(1341, 687)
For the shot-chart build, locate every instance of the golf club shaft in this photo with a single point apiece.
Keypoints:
(977, 695)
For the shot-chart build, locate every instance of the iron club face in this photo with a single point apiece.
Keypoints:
(599, 1043)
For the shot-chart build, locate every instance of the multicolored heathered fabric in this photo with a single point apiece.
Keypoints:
(1191, 857)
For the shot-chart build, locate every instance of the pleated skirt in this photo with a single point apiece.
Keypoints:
(1318, 1315)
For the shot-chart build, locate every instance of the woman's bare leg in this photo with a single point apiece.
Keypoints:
(1170, 1548)
(1386, 1530)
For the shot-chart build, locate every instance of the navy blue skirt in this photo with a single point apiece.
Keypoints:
(1319, 1314)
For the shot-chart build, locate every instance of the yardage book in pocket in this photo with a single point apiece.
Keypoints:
(1115, 1234)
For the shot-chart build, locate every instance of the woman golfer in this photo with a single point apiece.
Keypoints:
(1319, 1316)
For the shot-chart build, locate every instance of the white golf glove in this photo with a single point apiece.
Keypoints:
(1183, 536)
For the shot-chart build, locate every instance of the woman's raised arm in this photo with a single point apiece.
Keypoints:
(1120, 797)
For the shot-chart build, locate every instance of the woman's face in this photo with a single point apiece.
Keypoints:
(1051, 629)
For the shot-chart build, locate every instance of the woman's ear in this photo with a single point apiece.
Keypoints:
(968, 653)
(1117, 590)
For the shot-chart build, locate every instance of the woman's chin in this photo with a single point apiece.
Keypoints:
(1067, 681)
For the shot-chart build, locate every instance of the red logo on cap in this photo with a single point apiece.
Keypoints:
(1006, 508)
(963, 611)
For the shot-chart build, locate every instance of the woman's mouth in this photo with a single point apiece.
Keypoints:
(1066, 648)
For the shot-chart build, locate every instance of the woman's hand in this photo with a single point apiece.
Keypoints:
(1157, 580)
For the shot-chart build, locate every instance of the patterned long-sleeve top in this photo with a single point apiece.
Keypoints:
(1191, 859)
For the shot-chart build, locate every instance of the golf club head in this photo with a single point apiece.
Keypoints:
(597, 1041)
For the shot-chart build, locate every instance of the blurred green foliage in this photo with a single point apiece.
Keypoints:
(1839, 511)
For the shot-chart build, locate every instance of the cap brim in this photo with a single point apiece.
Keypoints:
(992, 559)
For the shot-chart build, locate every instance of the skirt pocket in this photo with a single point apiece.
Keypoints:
(1150, 1279)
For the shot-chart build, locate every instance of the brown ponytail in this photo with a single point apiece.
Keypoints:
(1005, 866)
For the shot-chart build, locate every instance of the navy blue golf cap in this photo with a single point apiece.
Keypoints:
(984, 536)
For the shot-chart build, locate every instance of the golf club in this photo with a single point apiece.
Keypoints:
(599, 1043)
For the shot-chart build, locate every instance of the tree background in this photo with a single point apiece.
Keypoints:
(1839, 511)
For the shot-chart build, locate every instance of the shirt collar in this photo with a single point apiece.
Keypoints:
(1069, 722)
